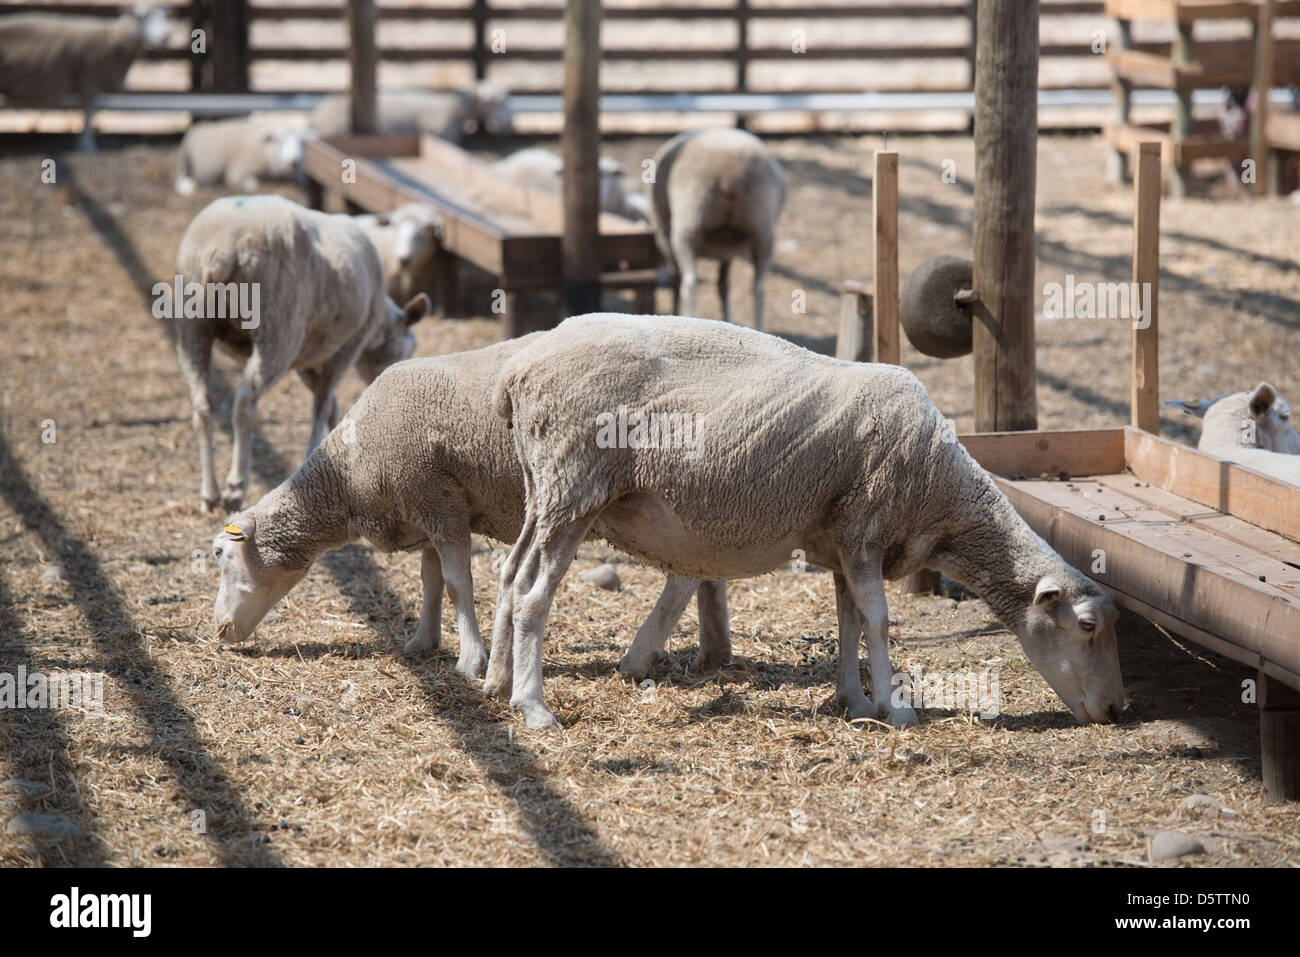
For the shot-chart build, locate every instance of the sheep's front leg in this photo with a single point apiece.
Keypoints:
(653, 634)
(687, 271)
(715, 627)
(762, 259)
(428, 634)
(848, 688)
(324, 405)
(540, 572)
(867, 585)
(460, 587)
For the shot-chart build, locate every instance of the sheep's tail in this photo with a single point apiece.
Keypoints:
(217, 264)
(501, 402)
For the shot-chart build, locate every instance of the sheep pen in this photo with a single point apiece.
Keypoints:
(321, 744)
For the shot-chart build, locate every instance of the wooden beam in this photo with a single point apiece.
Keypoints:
(1006, 146)
(1144, 374)
(1032, 454)
(1263, 84)
(363, 57)
(884, 204)
(580, 146)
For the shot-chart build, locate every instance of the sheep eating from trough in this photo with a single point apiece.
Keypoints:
(543, 169)
(239, 153)
(318, 307)
(717, 194)
(855, 467)
(407, 240)
(419, 462)
(1258, 418)
(447, 114)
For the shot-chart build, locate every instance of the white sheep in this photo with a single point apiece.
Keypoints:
(239, 153)
(318, 306)
(855, 468)
(544, 170)
(1278, 465)
(45, 57)
(419, 462)
(1259, 418)
(406, 239)
(448, 114)
(717, 194)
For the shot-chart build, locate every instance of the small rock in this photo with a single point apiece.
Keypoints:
(1169, 845)
(272, 618)
(139, 568)
(55, 573)
(946, 604)
(42, 825)
(602, 576)
(1196, 804)
(22, 784)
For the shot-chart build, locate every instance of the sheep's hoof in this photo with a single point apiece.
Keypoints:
(421, 642)
(497, 688)
(636, 670)
(208, 505)
(857, 706)
(710, 661)
(904, 717)
(471, 662)
(536, 714)
(232, 498)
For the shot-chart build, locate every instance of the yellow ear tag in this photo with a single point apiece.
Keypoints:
(234, 531)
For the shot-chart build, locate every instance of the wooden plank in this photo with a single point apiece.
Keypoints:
(1075, 452)
(1229, 488)
(1144, 373)
(1190, 10)
(1006, 147)
(884, 203)
(1253, 623)
(1284, 131)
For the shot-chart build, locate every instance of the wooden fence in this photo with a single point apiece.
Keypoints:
(306, 34)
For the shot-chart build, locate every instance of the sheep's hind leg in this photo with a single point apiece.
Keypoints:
(652, 636)
(244, 417)
(428, 634)
(715, 627)
(460, 588)
(724, 287)
(848, 690)
(500, 669)
(867, 586)
(196, 360)
(540, 572)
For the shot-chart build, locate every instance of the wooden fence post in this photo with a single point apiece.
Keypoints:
(1117, 161)
(1144, 375)
(1263, 83)
(1006, 147)
(1184, 125)
(363, 57)
(884, 202)
(224, 67)
(479, 17)
(580, 145)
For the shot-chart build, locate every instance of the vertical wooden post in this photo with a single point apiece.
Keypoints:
(884, 200)
(479, 16)
(580, 145)
(362, 57)
(1183, 52)
(742, 53)
(1263, 84)
(1006, 148)
(972, 16)
(1144, 376)
(1279, 739)
(1117, 168)
(856, 339)
(224, 67)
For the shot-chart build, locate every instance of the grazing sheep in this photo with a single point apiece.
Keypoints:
(419, 462)
(319, 307)
(544, 170)
(45, 57)
(717, 194)
(447, 114)
(239, 153)
(855, 467)
(407, 240)
(1259, 418)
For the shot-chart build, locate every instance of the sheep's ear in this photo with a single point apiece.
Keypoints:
(1262, 399)
(417, 309)
(1048, 590)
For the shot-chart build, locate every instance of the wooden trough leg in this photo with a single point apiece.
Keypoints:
(1279, 739)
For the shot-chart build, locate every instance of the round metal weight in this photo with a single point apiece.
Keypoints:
(934, 321)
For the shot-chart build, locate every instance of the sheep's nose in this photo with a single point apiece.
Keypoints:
(1112, 713)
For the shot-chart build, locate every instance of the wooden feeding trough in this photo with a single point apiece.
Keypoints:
(511, 231)
(1205, 548)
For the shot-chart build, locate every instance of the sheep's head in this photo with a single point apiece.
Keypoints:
(153, 24)
(1068, 633)
(1274, 429)
(394, 341)
(489, 108)
(417, 231)
(281, 152)
(248, 587)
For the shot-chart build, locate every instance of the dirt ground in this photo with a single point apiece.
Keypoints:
(321, 744)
